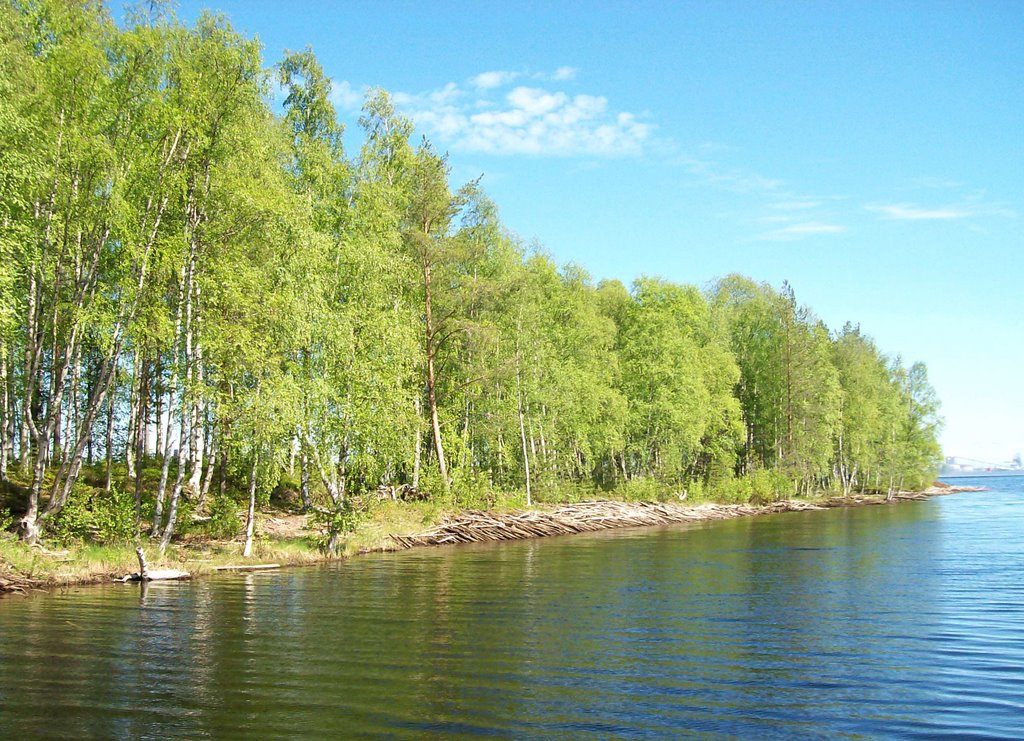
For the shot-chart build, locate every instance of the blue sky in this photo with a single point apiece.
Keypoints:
(870, 153)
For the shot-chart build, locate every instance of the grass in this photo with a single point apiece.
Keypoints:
(56, 565)
(283, 535)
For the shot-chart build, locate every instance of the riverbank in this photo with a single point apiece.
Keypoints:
(289, 539)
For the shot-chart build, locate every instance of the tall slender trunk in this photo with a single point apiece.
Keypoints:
(109, 441)
(197, 440)
(522, 434)
(26, 435)
(172, 511)
(73, 417)
(250, 520)
(132, 436)
(307, 503)
(222, 464)
(417, 443)
(90, 447)
(431, 349)
(172, 389)
(211, 462)
(158, 402)
(5, 415)
(141, 432)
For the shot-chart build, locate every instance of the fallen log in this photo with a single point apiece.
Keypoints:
(156, 575)
(144, 574)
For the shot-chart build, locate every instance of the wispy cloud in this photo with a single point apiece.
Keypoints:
(736, 180)
(969, 205)
(801, 230)
(911, 212)
(796, 203)
(486, 116)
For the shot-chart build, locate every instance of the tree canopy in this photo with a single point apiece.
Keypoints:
(192, 277)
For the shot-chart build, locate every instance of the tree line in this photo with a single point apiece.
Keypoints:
(194, 277)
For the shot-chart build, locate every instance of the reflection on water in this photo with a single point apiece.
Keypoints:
(903, 620)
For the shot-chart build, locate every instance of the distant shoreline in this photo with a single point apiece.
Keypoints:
(988, 475)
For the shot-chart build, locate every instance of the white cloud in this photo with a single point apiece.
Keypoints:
(525, 120)
(565, 73)
(345, 97)
(491, 80)
(910, 212)
(798, 231)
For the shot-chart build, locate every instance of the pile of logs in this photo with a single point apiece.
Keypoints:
(475, 527)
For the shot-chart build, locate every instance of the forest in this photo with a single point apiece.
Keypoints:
(198, 279)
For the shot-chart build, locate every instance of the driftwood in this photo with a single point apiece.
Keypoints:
(247, 567)
(144, 574)
(475, 527)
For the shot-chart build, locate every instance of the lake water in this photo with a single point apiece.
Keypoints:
(904, 621)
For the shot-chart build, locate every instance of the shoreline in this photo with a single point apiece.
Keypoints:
(472, 526)
(466, 526)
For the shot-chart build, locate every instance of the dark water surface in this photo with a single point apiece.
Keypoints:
(903, 621)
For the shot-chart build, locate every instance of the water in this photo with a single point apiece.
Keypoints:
(878, 621)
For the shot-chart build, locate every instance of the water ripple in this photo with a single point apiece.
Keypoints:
(883, 621)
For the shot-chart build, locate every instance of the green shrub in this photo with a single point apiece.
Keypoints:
(472, 490)
(343, 519)
(223, 522)
(644, 489)
(95, 515)
(733, 491)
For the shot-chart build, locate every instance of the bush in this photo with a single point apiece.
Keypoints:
(472, 491)
(647, 489)
(223, 522)
(770, 486)
(92, 514)
(343, 519)
(733, 491)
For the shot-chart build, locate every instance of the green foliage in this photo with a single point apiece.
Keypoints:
(342, 519)
(224, 520)
(645, 489)
(96, 516)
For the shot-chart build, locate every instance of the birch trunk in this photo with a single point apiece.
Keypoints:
(132, 437)
(417, 444)
(172, 389)
(172, 513)
(522, 438)
(109, 441)
(158, 401)
(435, 422)
(307, 504)
(196, 442)
(5, 416)
(211, 462)
(250, 520)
